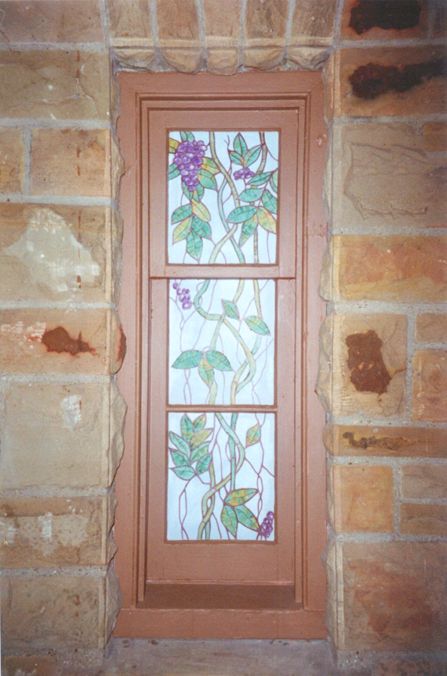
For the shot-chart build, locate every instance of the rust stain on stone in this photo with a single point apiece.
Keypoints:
(59, 340)
(373, 80)
(385, 14)
(122, 344)
(388, 443)
(365, 363)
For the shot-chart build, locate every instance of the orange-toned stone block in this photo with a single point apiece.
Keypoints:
(422, 519)
(363, 498)
(431, 328)
(435, 136)
(129, 20)
(222, 21)
(358, 441)
(313, 23)
(177, 19)
(359, 24)
(424, 481)
(265, 19)
(394, 596)
(396, 667)
(430, 386)
(222, 61)
(71, 162)
(263, 57)
(11, 160)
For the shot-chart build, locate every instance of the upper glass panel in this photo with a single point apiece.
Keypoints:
(222, 197)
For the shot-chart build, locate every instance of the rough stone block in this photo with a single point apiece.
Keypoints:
(263, 56)
(135, 57)
(222, 61)
(60, 341)
(363, 498)
(128, 20)
(222, 21)
(51, 84)
(383, 177)
(422, 519)
(57, 253)
(71, 162)
(313, 22)
(265, 19)
(362, 364)
(430, 386)
(424, 481)
(394, 596)
(53, 532)
(50, 21)
(184, 59)
(424, 442)
(360, 21)
(307, 58)
(435, 136)
(11, 160)
(179, 34)
(410, 668)
(431, 328)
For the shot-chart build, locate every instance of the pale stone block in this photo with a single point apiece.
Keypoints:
(135, 57)
(421, 519)
(223, 61)
(431, 328)
(313, 21)
(424, 442)
(222, 20)
(71, 162)
(411, 668)
(178, 19)
(11, 160)
(118, 410)
(371, 26)
(181, 55)
(129, 19)
(50, 21)
(113, 601)
(307, 58)
(424, 481)
(265, 19)
(430, 386)
(394, 596)
(54, 84)
(435, 136)
(265, 56)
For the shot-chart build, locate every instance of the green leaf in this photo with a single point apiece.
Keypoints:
(229, 520)
(204, 463)
(186, 136)
(200, 452)
(173, 172)
(250, 195)
(230, 309)
(257, 325)
(206, 179)
(185, 473)
(197, 194)
(201, 228)
(199, 437)
(186, 427)
(247, 230)
(260, 179)
(253, 435)
(199, 422)
(274, 181)
(237, 159)
(218, 360)
(188, 360)
(246, 517)
(172, 145)
(210, 165)
(179, 443)
(270, 202)
(182, 230)
(206, 372)
(252, 155)
(241, 214)
(194, 245)
(266, 220)
(239, 144)
(181, 213)
(200, 211)
(239, 496)
(179, 459)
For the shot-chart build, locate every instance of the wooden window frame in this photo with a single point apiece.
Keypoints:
(255, 620)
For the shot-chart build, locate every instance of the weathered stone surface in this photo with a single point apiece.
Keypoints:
(424, 481)
(135, 57)
(426, 97)
(382, 177)
(52, 612)
(394, 596)
(113, 601)
(363, 498)
(179, 34)
(307, 58)
(222, 21)
(435, 136)
(128, 20)
(56, 252)
(50, 21)
(431, 328)
(422, 519)
(430, 386)
(424, 442)
(384, 25)
(362, 364)
(55, 435)
(265, 19)
(41, 665)
(410, 668)
(11, 160)
(185, 60)
(70, 162)
(52, 84)
(263, 57)
(53, 531)
(222, 61)
(439, 11)
(387, 268)
(60, 341)
(313, 22)
(330, 562)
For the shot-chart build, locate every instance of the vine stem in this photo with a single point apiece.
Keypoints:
(222, 168)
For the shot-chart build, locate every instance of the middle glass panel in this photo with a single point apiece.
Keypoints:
(222, 341)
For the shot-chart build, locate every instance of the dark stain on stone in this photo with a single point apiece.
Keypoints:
(365, 363)
(373, 80)
(122, 345)
(58, 340)
(386, 443)
(385, 14)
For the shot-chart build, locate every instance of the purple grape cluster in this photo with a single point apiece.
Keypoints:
(266, 527)
(243, 173)
(188, 158)
(183, 296)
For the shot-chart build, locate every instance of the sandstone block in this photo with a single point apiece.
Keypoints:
(362, 364)
(222, 21)
(135, 57)
(263, 56)
(424, 442)
(307, 58)
(313, 23)
(184, 59)
(430, 386)
(53, 531)
(394, 596)
(41, 665)
(383, 177)
(129, 20)
(11, 160)
(424, 481)
(178, 20)
(411, 668)
(265, 19)
(60, 341)
(223, 61)
(431, 328)
(51, 21)
(435, 136)
(363, 498)
(422, 519)
(360, 21)
(70, 162)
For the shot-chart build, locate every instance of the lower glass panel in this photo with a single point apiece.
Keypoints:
(221, 476)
